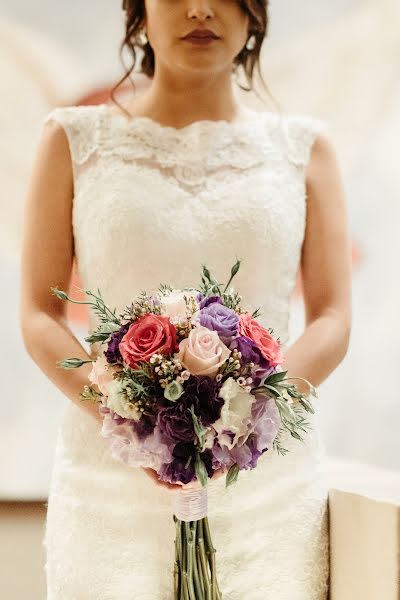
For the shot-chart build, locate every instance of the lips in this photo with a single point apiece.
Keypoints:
(201, 33)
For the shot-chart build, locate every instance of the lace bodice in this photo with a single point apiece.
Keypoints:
(152, 203)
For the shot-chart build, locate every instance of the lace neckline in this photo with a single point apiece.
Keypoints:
(253, 119)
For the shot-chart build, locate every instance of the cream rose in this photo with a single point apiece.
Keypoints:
(235, 414)
(174, 304)
(202, 352)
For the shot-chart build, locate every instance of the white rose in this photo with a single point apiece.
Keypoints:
(235, 414)
(174, 305)
(118, 401)
(202, 352)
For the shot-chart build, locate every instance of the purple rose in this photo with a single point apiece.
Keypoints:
(176, 422)
(112, 354)
(221, 319)
(208, 300)
(251, 353)
(202, 391)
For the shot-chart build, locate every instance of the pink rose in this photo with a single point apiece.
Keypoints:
(268, 345)
(102, 374)
(202, 352)
(149, 334)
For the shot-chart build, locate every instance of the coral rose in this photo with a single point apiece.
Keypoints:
(268, 345)
(149, 334)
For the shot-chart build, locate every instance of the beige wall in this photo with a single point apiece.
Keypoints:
(21, 552)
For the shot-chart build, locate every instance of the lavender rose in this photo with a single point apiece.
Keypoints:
(208, 300)
(220, 318)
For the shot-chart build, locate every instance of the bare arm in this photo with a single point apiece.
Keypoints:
(326, 272)
(46, 261)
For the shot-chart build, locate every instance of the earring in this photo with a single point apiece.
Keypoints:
(143, 37)
(251, 42)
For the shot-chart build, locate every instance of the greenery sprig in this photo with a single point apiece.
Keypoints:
(109, 322)
(142, 305)
(292, 415)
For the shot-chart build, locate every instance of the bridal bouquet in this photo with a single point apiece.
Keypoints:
(190, 383)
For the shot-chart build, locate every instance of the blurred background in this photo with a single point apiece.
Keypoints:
(335, 59)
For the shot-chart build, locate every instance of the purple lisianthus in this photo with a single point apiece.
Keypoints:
(176, 471)
(176, 422)
(220, 318)
(202, 391)
(145, 426)
(251, 353)
(112, 354)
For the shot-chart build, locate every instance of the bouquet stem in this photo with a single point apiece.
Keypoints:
(195, 572)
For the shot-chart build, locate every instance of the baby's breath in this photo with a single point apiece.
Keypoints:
(168, 369)
(143, 305)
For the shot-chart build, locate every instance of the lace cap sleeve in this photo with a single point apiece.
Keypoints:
(81, 127)
(301, 131)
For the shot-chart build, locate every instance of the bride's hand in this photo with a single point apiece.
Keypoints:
(176, 486)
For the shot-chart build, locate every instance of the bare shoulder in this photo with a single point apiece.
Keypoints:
(53, 152)
(323, 163)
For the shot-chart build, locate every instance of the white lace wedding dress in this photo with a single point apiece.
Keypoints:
(151, 203)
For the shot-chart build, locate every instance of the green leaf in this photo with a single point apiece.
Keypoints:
(109, 327)
(97, 337)
(201, 471)
(307, 405)
(59, 293)
(275, 377)
(72, 363)
(199, 429)
(272, 389)
(232, 475)
(285, 410)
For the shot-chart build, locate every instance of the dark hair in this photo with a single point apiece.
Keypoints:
(256, 10)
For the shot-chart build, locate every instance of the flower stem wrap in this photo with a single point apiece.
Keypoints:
(191, 503)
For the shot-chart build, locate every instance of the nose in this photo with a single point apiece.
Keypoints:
(200, 9)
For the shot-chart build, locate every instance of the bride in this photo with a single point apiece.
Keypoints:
(146, 192)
